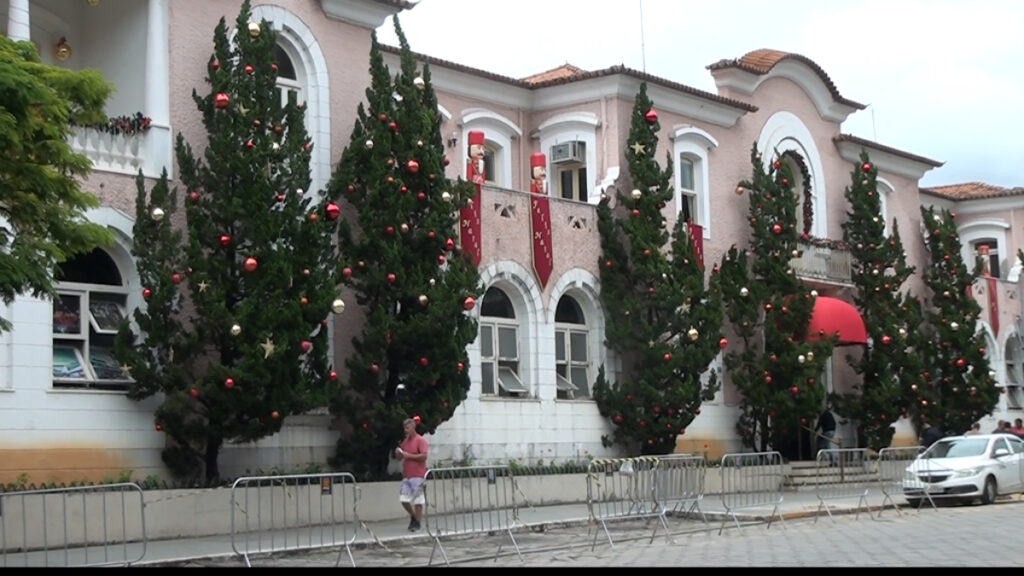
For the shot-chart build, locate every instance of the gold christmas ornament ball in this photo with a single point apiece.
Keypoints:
(744, 292)
(419, 82)
(254, 29)
(810, 356)
(432, 282)
(446, 197)
(236, 329)
(338, 306)
(423, 299)
(157, 214)
(692, 334)
(636, 193)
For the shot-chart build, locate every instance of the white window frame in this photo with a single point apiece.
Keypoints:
(569, 127)
(499, 133)
(884, 190)
(978, 230)
(1014, 371)
(574, 170)
(505, 368)
(564, 362)
(84, 342)
(693, 144)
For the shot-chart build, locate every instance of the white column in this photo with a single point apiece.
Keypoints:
(17, 20)
(157, 106)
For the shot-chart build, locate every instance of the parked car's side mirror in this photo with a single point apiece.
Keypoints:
(1000, 452)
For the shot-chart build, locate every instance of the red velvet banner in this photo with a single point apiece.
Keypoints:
(469, 228)
(697, 238)
(540, 231)
(993, 305)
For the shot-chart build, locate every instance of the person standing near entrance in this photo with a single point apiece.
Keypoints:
(413, 454)
(827, 429)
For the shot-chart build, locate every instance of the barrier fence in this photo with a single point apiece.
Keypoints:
(679, 484)
(271, 514)
(469, 500)
(751, 480)
(892, 474)
(73, 527)
(844, 474)
(623, 489)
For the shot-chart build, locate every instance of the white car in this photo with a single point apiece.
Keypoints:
(967, 468)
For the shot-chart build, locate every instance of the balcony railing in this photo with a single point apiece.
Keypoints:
(109, 152)
(828, 263)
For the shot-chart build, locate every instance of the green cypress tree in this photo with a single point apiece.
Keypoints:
(775, 367)
(661, 318)
(404, 265)
(959, 387)
(234, 333)
(891, 364)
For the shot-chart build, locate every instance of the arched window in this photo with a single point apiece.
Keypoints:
(499, 347)
(572, 358)
(691, 146)
(288, 82)
(499, 133)
(87, 313)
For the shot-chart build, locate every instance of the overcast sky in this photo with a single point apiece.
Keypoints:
(942, 79)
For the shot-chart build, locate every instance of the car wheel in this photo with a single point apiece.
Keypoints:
(914, 502)
(988, 494)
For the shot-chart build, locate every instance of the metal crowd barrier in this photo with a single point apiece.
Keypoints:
(892, 474)
(102, 525)
(621, 489)
(844, 474)
(751, 480)
(271, 514)
(469, 500)
(679, 484)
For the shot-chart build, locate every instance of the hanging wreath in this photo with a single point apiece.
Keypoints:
(808, 203)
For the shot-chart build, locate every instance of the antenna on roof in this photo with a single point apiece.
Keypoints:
(643, 56)
(874, 131)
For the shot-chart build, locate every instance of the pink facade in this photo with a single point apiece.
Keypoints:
(580, 121)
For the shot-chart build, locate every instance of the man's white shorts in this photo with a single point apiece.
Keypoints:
(411, 491)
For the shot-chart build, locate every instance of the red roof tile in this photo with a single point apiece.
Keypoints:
(972, 191)
(762, 61)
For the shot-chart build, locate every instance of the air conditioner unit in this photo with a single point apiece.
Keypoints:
(569, 152)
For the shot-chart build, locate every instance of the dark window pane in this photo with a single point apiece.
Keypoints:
(566, 184)
(583, 185)
(686, 174)
(569, 311)
(489, 165)
(285, 68)
(497, 304)
(96, 267)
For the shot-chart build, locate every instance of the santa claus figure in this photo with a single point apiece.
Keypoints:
(538, 173)
(475, 171)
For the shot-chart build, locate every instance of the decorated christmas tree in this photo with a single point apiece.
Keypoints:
(891, 363)
(233, 332)
(662, 320)
(404, 265)
(776, 364)
(959, 386)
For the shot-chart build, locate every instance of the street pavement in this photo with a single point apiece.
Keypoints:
(855, 534)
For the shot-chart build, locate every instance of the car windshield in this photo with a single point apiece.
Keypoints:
(957, 448)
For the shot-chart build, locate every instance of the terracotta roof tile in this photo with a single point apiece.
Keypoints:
(972, 191)
(762, 61)
(563, 71)
(577, 75)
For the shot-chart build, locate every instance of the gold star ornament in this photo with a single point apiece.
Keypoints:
(638, 148)
(268, 347)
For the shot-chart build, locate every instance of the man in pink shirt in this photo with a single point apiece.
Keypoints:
(413, 454)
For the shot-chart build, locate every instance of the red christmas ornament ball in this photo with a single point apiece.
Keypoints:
(449, 244)
(306, 345)
(220, 100)
(193, 392)
(391, 277)
(459, 367)
(229, 383)
(865, 167)
(158, 427)
(346, 272)
(886, 339)
(722, 343)
(440, 259)
(225, 239)
(215, 64)
(274, 415)
(413, 166)
(250, 264)
(146, 293)
(618, 418)
(374, 368)
(193, 196)
(424, 361)
(651, 116)
(776, 228)
(176, 278)
(332, 211)
(468, 303)
(332, 375)
(667, 356)
(249, 69)
(794, 389)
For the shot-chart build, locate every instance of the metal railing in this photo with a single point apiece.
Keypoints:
(844, 473)
(623, 489)
(469, 500)
(679, 484)
(272, 514)
(892, 474)
(102, 525)
(751, 480)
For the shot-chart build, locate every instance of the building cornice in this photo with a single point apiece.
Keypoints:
(364, 13)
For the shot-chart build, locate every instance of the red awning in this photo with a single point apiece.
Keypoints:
(834, 316)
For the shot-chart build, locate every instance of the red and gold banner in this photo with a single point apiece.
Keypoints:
(540, 231)
(469, 228)
(993, 305)
(697, 238)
